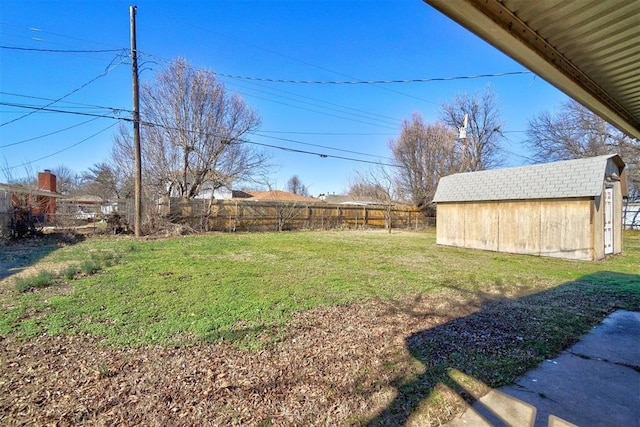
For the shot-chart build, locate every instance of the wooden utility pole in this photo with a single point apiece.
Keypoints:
(136, 125)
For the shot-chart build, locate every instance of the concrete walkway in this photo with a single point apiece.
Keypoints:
(596, 382)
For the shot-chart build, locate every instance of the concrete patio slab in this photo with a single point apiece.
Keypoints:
(596, 382)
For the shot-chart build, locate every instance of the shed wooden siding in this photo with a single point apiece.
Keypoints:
(555, 209)
(553, 228)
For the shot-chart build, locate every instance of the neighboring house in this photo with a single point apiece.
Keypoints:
(41, 201)
(570, 209)
(221, 193)
(81, 206)
(206, 190)
(23, 208)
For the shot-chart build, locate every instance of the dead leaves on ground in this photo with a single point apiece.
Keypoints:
(341, 365)
(335, 365)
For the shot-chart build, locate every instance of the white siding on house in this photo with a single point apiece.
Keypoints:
(632, 216)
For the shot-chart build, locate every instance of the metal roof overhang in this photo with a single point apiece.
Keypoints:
(589, 49)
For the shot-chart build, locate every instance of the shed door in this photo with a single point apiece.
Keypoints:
(608, 220)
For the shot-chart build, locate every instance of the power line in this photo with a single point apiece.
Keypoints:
(102, 107)
(33, 49)
(386, 118)
(389, 120)
(321, 112)
(279, 147)
(322, 155)
(320, 146)
(64, 149)
(173, 19)
(373, 82)
(39, 30)
(144, 123)
(106, 71)
(36, 108)
(329, 133)
(49, 134)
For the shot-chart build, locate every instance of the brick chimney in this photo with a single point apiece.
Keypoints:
(46, 205)
(47, 181)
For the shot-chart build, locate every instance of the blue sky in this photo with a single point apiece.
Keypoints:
(335, 40)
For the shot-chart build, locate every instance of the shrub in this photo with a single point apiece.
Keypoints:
(42, 280)
(89, 267)
(70, 272)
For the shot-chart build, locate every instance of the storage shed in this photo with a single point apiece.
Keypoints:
(570, 209)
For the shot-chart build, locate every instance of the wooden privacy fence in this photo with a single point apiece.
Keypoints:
(6, 210)
(246, 215)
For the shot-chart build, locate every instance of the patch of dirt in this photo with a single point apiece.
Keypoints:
(17, 256)
(336, 366)
(17, 259)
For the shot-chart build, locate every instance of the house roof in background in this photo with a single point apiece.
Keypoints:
(350, 200)
(20, 189)
(566, 179)
(277, 196)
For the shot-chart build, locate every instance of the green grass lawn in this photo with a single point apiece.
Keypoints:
(244, 287)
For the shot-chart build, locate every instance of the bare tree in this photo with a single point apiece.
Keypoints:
(377, 183)
(295, 186)
(574, 132)
(67, 181)
(192, 133)
(121, 162)
(423, 153)
(481, 148)
(28, 178)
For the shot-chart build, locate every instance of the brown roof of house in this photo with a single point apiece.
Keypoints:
(279, 196)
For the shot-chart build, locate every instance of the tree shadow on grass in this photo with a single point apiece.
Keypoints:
(500, 342)
(17, 255)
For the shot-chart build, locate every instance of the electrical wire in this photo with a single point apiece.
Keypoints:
(288, 149)
(63, 150)
(48, 134)
(389, 120)
(33, 49)
(279, 147)
(322, 155)
(66, 36)
(202, 29)
(36, 108)
(320, 146)
(373, 82)
(96, 117)
(320, 112)
(80, 104)
(329, 133)
(106, 71)
(375, 116)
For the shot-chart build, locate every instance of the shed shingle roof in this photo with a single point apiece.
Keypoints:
(570, 178)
